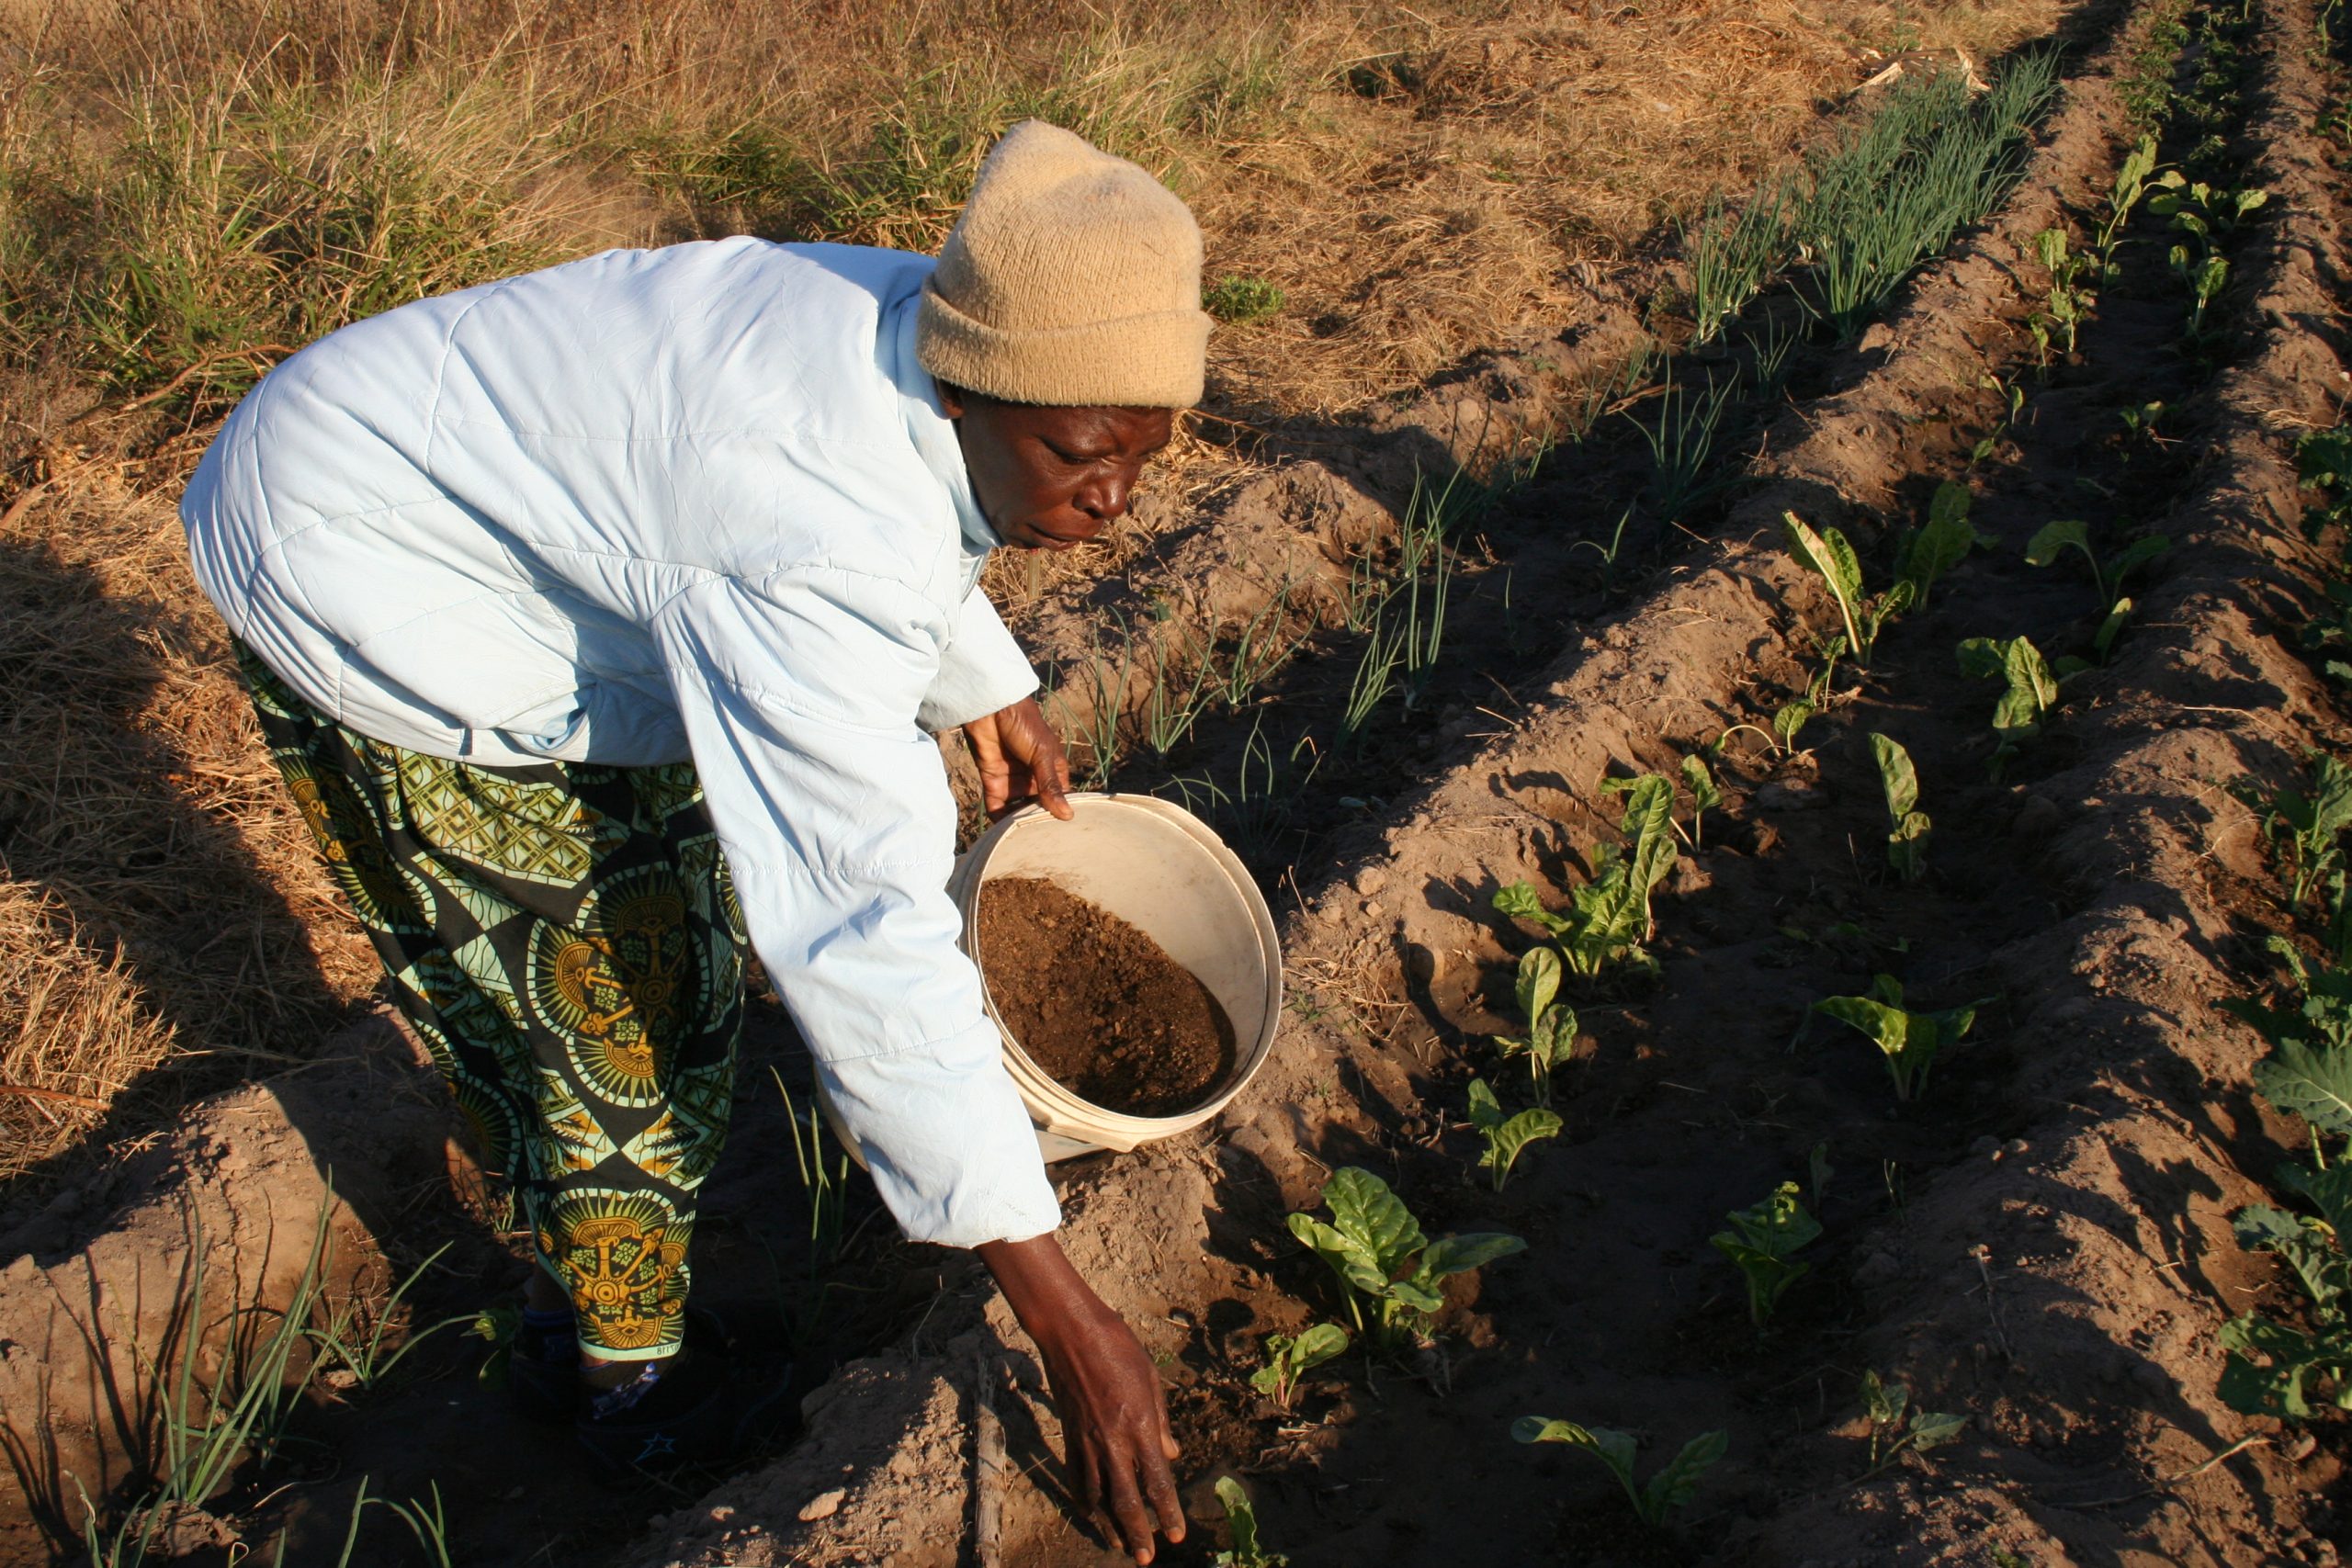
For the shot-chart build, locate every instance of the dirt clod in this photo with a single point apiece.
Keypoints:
(1098, 1004)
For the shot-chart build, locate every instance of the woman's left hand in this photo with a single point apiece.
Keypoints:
(1020, 757)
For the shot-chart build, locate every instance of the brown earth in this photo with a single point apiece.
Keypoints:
(1097, 1003)
(2040, 1243)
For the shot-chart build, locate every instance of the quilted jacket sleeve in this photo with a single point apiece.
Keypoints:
(800, 694)
(981, 670)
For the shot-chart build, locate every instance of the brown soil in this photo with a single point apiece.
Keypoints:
(1098, 1004)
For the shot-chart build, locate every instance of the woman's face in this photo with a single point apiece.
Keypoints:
(1048, 479)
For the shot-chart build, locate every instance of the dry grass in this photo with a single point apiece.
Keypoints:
(186, 186)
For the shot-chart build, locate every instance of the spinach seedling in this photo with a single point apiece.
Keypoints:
(1828, 553)
(2032, 690)
(1242, 1522)
(1375, 1247)
(1289, 1360)
(1906, 839)
(1609, 918)
(1896, 1429)
(1908, 1040)
(1676, 1482)
(1760, 1242)
(1941, 544)
(1506, 1136)
(2054, 540)
(1551, 1037)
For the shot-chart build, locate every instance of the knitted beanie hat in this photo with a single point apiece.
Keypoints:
(1073, 279)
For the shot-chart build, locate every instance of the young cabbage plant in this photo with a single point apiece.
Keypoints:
(2069, 533)
(1909, 1040)
(1705, 795)
(1761, 1238)
(1375, 1247)
(1897, 1429)
(1551, 1038)
(1656, 1501)
(1941, 544)
(1906, 838)
(1506, 1135)
(1289, 1360)
(1241, 1523)
(2032, 690)
(1828, 553)
(1608, 918)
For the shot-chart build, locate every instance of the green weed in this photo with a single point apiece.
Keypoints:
(1897, 1429)
(1238, 301)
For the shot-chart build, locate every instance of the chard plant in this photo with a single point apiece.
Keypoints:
(1665, 1494)
(1761, 1243)
(1290, 1357)
(1897, 1429)
(2031, 690)
(1941, 544)
(1906, 838)
(2055, 322)
(1789, 721)
(2071, 533)
(2306, 826)
(1241, 1523)
(1506, 1135)
(1608, 918)
(1829, 553)
(2130, 184)
(1909, 1040)
(1551, 1038)
(1705, 795)
(1390, 1273)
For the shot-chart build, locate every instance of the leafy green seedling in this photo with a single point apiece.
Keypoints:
(1941, 544)
(1375, 1247)
(2032, 689)
(1906, 838)
(2309, 825)
(1828, 553)
(1676, 1482)
(1909, 1040)
(1289, 1360)
(2055, 538)
(1790, 719)
(1551, 1038)
(1609, 918)
(2206, 275)
(2055, 322)
(2324, 463)
(1242, 1522)
(2275, 1369)
(2206, 212)
(1506, 1135)
(1896, 1429)
(1705, 795)
(2130, 184)
(1236, 301)
(1760, 1242)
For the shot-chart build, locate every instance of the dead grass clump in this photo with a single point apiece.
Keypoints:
(71, 1018)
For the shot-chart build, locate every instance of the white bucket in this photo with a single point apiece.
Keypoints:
(1161, 870)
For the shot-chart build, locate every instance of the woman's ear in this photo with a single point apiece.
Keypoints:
(951, 398)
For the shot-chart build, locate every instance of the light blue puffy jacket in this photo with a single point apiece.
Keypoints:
(692, 502)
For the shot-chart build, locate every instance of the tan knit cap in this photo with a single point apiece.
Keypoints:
(1072, 278)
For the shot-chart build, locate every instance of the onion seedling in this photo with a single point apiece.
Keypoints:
(1909, 1040)
(1760, 1242)
(1676, 1482)
(1906, 839)
(1506, 1135)
(1289, 1360)
(1376, 1249)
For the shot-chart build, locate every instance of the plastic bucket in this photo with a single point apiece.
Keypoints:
(1161, 870)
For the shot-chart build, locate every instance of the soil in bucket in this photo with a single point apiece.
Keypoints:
(1099, 1005)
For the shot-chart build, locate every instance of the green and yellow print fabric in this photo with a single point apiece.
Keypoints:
(565, 941)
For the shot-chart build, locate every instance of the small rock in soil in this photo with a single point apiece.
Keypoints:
(1371, 880)
(2038, 817)
(823, 1505)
